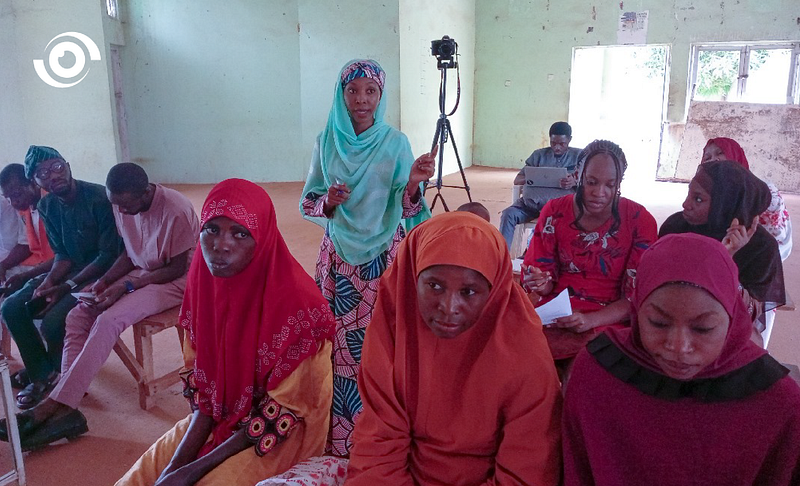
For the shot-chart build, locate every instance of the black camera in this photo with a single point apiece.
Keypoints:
(444, 49)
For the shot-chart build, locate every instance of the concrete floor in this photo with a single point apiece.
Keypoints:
(120, 431)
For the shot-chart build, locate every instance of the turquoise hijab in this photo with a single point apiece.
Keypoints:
(374, 165)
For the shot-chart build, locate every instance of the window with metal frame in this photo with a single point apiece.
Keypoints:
(111, 9)
(751, 73)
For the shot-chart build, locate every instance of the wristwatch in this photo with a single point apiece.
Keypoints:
(129, 288)
(72, 284)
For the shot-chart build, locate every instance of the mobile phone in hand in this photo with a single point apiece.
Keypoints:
(36, 305)
(87, 298)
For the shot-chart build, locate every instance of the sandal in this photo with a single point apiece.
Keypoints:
(34, 393)
(19, 379)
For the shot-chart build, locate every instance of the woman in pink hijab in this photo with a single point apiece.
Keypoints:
(682, 396)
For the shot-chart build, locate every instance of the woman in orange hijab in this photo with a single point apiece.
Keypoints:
(457, 381)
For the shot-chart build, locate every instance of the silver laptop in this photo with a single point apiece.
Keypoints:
(544, 176)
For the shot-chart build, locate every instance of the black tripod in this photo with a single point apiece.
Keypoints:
(443, 132)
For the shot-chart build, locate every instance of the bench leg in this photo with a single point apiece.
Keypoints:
(140, 363)
(143, 343)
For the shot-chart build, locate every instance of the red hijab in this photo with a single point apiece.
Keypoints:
(251, 330)
(699, 261)
(732, 150)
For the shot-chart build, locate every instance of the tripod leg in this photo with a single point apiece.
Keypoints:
(437, 197)
(458, 159)
(439, 138)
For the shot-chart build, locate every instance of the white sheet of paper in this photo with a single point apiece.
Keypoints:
(558, 307)
(85, 295)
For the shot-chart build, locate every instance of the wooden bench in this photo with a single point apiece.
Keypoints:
(141, 364)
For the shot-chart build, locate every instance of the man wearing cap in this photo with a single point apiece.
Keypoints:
(80, 228)
(160, 229)
(558, 154)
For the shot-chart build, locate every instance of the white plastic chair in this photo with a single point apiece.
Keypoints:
(522, 231)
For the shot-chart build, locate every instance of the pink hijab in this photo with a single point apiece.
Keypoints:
(703, 262)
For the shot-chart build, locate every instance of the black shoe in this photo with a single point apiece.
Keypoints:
(25, 425)
(68, 426)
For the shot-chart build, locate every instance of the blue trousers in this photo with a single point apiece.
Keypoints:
(518, 213)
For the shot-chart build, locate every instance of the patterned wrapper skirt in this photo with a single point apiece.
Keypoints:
(351, 291)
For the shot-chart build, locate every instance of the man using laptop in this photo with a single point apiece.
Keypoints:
(558, 154)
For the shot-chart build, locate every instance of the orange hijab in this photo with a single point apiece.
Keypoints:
(484, 406)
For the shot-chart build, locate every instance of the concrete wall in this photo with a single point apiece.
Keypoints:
(331, 34)
(12, 121)
(524, 53)
(769, 135)
(242, 88)
(212, 89)
(78, 120)
(423, 21)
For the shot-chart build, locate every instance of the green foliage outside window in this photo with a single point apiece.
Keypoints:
(718, 72)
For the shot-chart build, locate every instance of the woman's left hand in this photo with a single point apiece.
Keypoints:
(578, 322)
(423, 167)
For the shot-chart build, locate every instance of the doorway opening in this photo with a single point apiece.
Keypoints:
(619, 93)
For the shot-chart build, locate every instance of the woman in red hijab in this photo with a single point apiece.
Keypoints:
(457, 381)
(683, 396)
(258, 348)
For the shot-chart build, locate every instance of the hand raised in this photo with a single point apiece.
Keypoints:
(738, 235)
(423, 167)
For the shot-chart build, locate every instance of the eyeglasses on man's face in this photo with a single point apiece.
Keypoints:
(55, 168)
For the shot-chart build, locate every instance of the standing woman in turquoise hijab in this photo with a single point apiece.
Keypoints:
(362, 183)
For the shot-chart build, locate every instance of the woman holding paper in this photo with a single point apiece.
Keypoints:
(589, 244)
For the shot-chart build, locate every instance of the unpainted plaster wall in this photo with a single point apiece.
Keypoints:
(524, 53)
(769, 135)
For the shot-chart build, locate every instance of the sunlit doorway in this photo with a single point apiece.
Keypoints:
(619, 93)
